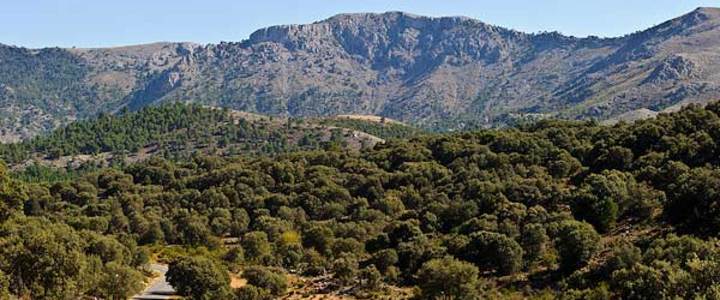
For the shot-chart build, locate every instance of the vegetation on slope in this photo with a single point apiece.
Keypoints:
(382, 129)
(565, 210)
(173, 131)
(428, 78)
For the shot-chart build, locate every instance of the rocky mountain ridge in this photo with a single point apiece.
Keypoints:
(442, 73)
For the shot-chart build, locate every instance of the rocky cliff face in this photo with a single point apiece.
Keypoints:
(434, 72)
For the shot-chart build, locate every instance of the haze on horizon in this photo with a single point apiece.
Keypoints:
(85, 23)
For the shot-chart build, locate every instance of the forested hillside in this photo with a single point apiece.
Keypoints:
(177, 131)
(382, 129)
(554, 209)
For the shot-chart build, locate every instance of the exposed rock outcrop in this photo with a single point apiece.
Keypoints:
(434, 72)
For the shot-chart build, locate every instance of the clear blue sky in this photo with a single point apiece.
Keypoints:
(92, 23)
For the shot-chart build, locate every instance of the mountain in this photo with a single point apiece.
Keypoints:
(441, 73)
(46, 88)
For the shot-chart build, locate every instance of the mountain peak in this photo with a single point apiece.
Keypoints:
(393, 15)
(366, 27)
(708, 10)
(388, 14)
(701, 15)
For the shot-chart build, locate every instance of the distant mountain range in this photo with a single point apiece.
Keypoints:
(432, 72)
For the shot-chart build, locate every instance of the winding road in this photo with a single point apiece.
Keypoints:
(159, 288)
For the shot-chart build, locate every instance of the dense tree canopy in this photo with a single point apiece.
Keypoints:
(176, 131)
(549, 209)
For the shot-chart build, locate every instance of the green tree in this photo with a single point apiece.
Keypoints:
(275, 283)
(240, 222)
(120, 282)
(199, 278)
(318, 237)
(660, 281)
(257, 247)
(694, 201)
(534, 242)
(12, 194)
(494, 251)
(346, 269)
(192, 230)
(43, 259)
(385, 259)
(251, 292)
(576, 243)
(448, 278)
(596, 202)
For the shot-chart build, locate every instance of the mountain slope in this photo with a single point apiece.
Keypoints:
(434, 72)
(179, 131)
(47, 88)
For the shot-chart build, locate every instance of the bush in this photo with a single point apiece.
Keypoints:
(494, 252)
(534, 242)
(660, 281)
(314, 263)
(370, 277)
(275, 283)
(622, 257)
(694, 201)
(384, 259)
(251, 292)
(345, 268)
(199, 278)
(256, 246)
(596, 202)
(4, 286)
(601, 292)
(120, 282)
(576, 243)
(448, 278)
(234, 257)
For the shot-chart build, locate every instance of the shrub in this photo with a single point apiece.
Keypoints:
(660, 281)
(199, 278)
(384, 259)
(256, 246)
(345, 269)
(576, 243)
(448, 278)
(264, 278)
(693, 201)
(534, 242)
(251, 292)
(596, 201)
(622, 257)
(494, 251)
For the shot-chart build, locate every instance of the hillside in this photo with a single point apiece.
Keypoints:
(176, 131)
(441, 73)
(549, 210)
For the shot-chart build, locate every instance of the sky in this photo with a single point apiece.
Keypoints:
(105, 23)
